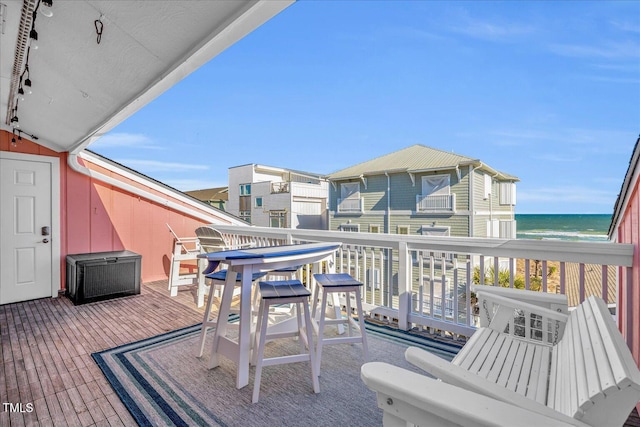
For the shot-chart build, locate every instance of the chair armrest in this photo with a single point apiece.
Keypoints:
(460, 377)
(415, 398)
(498, 311)
(555, 302)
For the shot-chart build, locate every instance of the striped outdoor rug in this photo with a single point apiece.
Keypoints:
(161, 382)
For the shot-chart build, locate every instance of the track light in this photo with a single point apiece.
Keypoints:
(33, 34)
(14, 120)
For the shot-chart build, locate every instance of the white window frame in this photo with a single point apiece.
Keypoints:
(245, 189)
(488, 181)
(508, 193)
(444, 190)
(354, 198)
(245, 215)
(435, 230)
(373, 227)
(353, 228)
(401, 227)
(280, 215)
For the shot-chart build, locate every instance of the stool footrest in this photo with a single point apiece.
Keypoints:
(281, 360)
(342, 340)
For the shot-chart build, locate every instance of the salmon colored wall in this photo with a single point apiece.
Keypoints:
(629, 232)
(98, 217)
(106, 218)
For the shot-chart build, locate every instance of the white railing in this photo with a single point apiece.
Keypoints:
(436, 203)
(350, 205)
(406, 278)
(279, 187)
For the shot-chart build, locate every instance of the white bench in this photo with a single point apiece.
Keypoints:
(570, 369)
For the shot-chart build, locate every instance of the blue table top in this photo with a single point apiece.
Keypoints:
(272, 251)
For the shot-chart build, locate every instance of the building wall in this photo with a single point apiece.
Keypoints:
(629, 232)
(402, 205)
(305, 203)
(98, 217)
(487, 208)
(238, 175)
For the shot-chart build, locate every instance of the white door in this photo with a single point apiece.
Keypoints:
(27, 226)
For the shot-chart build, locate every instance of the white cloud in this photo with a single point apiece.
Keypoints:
(594, 139)
(156, 166)
(125, 140)
(612, 50)
(492, 31)
(193, 184)
(630, 27)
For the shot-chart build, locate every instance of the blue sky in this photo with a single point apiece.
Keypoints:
(546, 91)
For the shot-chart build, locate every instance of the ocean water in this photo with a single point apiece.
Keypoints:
(577, 227)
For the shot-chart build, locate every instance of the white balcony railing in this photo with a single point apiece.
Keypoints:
(279, 187)
(436, 203)
(406, 278)
(351, 205)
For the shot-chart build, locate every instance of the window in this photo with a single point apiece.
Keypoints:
(245, 203)
(258, 203)
(374, 228)
(507, 193)
(246, 215)
(245, 189)
(434, 230)
(353, 228)
(435, 185)
(436, 195)
(403, 229)
(487, 186)
(349, 197)
(278, 219)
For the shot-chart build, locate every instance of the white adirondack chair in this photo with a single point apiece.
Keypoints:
(184, 249)
(570, 369)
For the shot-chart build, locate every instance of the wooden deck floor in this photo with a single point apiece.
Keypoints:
(45, 354)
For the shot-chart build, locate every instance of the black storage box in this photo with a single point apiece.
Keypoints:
(103, 275)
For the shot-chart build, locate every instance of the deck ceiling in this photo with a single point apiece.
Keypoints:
(82, 88)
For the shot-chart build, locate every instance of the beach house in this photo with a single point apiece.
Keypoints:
(276, 197)
(425, 191)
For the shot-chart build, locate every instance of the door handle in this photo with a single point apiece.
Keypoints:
(45, 240)
(45, 230)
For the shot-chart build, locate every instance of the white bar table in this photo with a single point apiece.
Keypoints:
(247, 262)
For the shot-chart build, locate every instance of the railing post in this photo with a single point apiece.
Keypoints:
(404, 286)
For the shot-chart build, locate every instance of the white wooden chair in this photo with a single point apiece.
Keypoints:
(211, 240)
(570, 369)
(185, 249)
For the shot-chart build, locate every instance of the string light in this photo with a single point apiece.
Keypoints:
(14, 120)
(25, 85)
(33, 34)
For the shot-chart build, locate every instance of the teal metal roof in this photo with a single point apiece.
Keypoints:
(416, 158)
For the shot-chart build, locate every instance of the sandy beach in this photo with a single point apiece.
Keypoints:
(592, 278)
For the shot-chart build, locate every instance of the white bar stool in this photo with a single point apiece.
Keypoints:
(283, 292)
(219, 278)
(332, 283)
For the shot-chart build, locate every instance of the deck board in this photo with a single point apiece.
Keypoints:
(46, 346)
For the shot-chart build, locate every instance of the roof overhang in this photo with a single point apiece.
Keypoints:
(84, 86)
